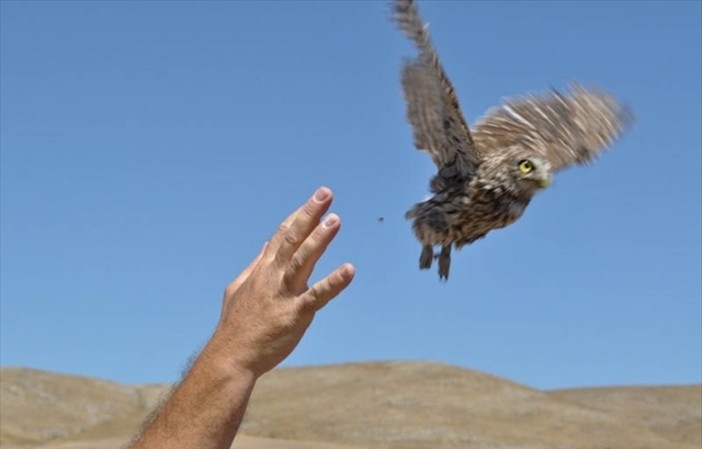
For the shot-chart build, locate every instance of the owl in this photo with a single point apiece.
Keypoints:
(487, 175)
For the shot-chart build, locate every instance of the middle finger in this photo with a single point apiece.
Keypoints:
(294, 231)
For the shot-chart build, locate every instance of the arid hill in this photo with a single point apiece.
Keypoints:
(367, 405)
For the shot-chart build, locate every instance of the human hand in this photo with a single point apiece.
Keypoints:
(269, 306)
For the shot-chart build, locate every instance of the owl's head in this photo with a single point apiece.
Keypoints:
(533, 172)
(521, 172)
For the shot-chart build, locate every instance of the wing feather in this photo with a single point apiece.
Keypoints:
(432, 105)
(567, 129)
(426, 111)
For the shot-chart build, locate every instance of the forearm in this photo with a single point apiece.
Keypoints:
(205, 410)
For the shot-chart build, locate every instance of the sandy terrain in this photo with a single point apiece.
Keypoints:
(398, 405)
(243, 442)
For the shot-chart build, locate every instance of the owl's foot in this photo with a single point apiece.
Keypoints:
(444, 262)
(426, 257)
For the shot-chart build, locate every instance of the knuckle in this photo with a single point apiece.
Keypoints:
(318, 236)
(316, 296)
(297, 262)
(290, 237)
(283, 228)
(309, 209)
(316, 243)
(312, 296)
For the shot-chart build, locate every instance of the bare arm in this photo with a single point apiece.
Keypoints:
(265, 313)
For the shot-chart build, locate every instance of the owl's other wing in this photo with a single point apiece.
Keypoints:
(567, 129)
(432, 105)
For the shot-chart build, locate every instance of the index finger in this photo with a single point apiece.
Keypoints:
(299, 225)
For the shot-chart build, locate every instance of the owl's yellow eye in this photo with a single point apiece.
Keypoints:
(525, 166)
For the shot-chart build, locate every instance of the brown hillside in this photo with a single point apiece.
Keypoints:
(673, 412)
(420, 405)
(370, 405)
(38, 406)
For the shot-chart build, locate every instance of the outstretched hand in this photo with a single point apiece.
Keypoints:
(265, 312)
(268, 307)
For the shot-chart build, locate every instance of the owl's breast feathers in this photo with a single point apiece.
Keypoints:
(464, 212)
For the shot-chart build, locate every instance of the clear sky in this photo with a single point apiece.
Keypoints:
(150, 148)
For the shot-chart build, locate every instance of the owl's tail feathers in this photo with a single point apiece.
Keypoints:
(429, 222)
(418, 210)
(412, 213)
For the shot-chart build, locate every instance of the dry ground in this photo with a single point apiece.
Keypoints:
(393, 405)
(243, 442)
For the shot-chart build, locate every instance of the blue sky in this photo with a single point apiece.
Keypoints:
(149, 148)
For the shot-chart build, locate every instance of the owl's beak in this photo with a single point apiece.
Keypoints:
(545, 182)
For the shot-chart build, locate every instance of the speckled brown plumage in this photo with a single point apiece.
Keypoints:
(486, 177)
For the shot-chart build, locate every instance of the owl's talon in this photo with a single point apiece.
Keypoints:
(444, 262)
(426, 257)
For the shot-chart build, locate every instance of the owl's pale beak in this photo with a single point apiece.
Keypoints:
(545, 182)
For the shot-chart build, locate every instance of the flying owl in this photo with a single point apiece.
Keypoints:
(486, 176)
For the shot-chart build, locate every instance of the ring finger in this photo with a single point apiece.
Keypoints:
(305, 258)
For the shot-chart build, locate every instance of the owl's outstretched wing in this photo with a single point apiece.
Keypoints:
(432, 105)
(567, 129)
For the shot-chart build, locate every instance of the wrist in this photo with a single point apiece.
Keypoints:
(219, 358)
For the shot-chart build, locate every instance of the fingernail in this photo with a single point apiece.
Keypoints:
(347, 271)
(330, 220)
(322, 194)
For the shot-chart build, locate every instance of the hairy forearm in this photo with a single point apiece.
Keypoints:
(205, 410)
